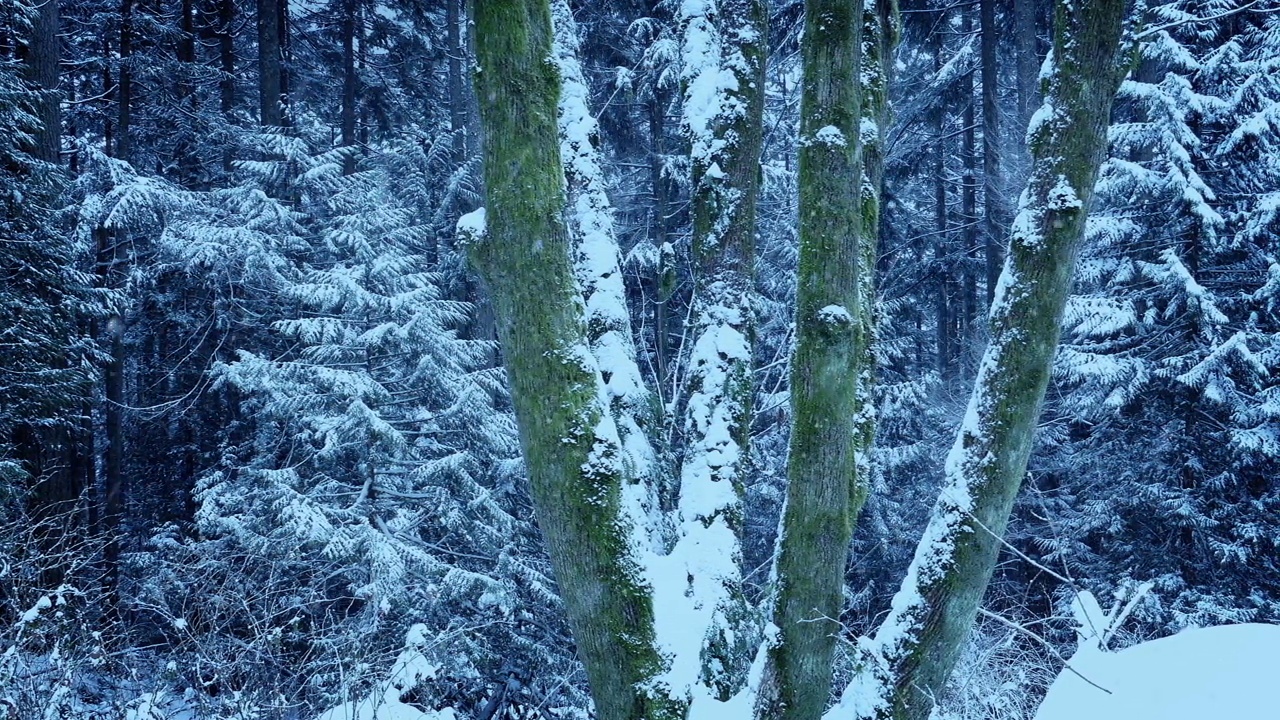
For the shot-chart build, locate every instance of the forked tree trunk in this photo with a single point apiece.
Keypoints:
(918, 644)
(568, 437)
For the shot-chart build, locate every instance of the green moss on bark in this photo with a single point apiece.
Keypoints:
(525, 260)
(991, 454)
(824, 491)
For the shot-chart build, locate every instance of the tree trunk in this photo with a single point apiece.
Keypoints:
(222, 33)
(56, 454)
(40, 55)
(1024, 24)
(124, 89)
(568, 437)
(457, 90)
(879, 39)
(188, 160)
(108, 259)
(724, 121)
(969, 218)
(992, 181)
(663, 278)
(286, 58)
(824, 489)
(918, 644)
(108, 97)
(111, 269)
(270, 82)
(349, 86)
(944, 311)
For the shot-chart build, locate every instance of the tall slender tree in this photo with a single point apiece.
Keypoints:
(992, 179)
(917, 646)
(824, 489)
(724, 51)
(569, 438)
(270, 63)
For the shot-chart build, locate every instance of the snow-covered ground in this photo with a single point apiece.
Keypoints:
(1229, 672)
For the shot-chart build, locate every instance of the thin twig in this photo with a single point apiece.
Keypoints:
(1065, 663)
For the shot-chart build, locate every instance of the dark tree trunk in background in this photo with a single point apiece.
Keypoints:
(124, 92)
(270, 64)
(110, 266)
(222, 32)
(40, 55)
(113, 479)
(663, 278)
(188, 161)
(108, 98)
(969, 219)
(457, 83)
(1025, 13)
(226, 57)
(945, 336)
(992, 180)
(56, 456)
(286, 58)
(349, 13)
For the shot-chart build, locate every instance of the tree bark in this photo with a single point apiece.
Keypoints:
(944, 310)
(918, 644)
(725, 127)
(880, 33)
(113, 483)
(110, 260)
(567, 435)
(824, 489)
(992, 180)
(227, 68)
(973, 246)
(1024, 23)
(188, 160)
(41, 55)
(349, 85)
(457, 94)
(270, 80)
(124, 89)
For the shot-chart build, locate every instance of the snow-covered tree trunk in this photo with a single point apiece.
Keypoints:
(915, 649)
(569, 439)
(595, 253)
(824, 490)
(880, 33)
(723, 51)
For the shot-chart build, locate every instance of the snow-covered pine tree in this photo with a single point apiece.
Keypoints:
(369, 467)
(1171, 338)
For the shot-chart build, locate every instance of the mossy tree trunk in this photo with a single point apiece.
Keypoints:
(917, 646)
(824, 489)
(569, 440)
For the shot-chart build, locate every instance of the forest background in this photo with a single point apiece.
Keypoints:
(258, 446)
